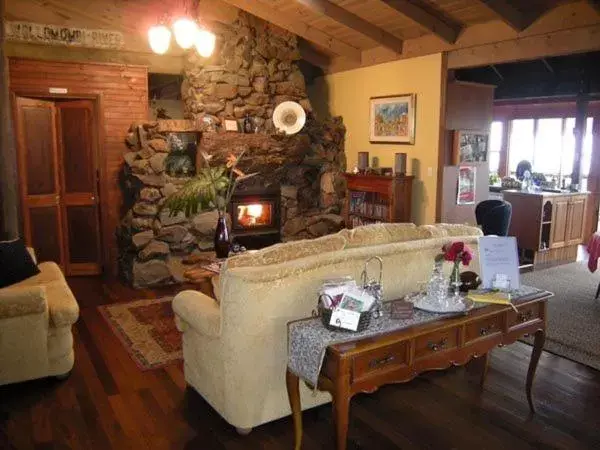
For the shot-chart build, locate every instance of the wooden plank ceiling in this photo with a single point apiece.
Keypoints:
(331, 28)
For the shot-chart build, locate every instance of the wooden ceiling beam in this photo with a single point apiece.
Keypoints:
(313, 56)
(263, 11)
(509, 14)
(425, 19)
(354, 22)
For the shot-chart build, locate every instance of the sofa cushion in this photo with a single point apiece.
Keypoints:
(288, 251)
(451, 230)
(16, 262)
(382, 233)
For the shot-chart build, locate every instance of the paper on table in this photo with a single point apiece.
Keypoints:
(498, 255)
(343, 318)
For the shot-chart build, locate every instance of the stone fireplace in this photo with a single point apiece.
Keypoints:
(299, 189)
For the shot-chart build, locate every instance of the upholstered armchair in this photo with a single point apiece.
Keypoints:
(36, 317)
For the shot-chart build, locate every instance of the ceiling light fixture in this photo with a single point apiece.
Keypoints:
(187, 34)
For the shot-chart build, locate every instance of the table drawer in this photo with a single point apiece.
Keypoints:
(436, 342)
(483, 328)
(526, 315)
(380, 360)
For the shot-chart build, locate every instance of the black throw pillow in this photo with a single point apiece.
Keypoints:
(16, 264)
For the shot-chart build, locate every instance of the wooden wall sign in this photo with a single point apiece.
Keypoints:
(36, 33)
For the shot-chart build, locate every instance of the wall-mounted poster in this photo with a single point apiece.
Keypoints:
(393, 119)
(470, 146)
(466, 185)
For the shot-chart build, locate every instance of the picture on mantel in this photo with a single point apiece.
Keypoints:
(466, 185)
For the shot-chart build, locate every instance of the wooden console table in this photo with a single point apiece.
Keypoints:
(366, 364)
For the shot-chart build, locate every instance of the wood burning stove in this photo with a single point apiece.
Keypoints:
(255, 216)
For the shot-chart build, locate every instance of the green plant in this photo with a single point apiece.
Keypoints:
(211, 188)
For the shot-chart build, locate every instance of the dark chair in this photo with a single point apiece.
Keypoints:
(494, 217)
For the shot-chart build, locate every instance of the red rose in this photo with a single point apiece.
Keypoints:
(453, 251)
(466, 257)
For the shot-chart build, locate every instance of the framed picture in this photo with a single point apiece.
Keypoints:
(392, 119)
(466, 185)
(470, 146)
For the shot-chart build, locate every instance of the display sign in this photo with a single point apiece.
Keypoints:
(499, 262)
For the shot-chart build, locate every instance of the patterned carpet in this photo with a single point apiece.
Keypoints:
(573, 313)
(146, 328)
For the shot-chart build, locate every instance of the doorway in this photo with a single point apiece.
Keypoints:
(58, 180)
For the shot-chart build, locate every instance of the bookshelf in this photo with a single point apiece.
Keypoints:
(378, 199)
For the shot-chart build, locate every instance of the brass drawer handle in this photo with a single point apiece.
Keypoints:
(484, 331)
(382, 361)
(525, 316)
(437, 346)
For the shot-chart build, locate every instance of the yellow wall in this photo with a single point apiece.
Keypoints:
(347, 94)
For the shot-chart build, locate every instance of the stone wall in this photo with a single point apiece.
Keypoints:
(253, 69)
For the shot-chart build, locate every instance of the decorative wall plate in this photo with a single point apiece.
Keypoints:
(289, 117)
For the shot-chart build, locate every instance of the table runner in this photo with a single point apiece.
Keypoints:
(308, 339)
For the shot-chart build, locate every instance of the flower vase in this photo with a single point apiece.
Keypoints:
(222, 241)
(455, 280)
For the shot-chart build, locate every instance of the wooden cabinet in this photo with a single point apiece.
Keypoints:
(376, 199)
(548, 226)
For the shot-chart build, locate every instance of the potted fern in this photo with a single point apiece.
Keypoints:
(211, 188)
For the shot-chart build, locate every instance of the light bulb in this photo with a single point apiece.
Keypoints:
(205, 43)
(159, 38)
(186, 32)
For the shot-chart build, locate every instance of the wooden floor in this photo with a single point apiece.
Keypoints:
(108, 403)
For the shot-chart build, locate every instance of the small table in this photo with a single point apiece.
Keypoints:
(366, 364)
(196, 274)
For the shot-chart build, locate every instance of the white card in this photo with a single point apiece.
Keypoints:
(498, 258)
(342, 318)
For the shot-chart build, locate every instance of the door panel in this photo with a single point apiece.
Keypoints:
(576, 220)
(78, 187)
(38, 184)
(559, 222)
(38, 136)
(45, 233)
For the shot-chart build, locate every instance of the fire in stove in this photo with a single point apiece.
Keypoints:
(254, 215)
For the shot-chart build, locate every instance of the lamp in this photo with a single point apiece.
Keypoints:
(186, 32)
(159, 37)
(205, 43)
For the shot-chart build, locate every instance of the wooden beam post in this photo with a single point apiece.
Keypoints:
(313, 56)
(263, 11)
(509, 14)
(354, 22)
(425, 19)
(579, 131)
(9, 197)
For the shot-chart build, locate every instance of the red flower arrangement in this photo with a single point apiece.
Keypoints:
(456, 253)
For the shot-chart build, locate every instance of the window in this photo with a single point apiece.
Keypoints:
(548, 144)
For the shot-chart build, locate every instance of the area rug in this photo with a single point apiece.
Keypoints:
(573, 328)
(147, 330)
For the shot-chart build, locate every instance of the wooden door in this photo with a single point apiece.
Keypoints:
(39, 178)
(560, 214)
(576, 221)
(78, 187)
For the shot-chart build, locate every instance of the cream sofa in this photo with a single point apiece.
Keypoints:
(36, 316)
(235, 349)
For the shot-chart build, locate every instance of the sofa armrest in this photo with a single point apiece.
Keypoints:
(22, 301)
(199, 311)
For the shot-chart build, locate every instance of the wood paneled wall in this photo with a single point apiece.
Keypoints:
(121, 94)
